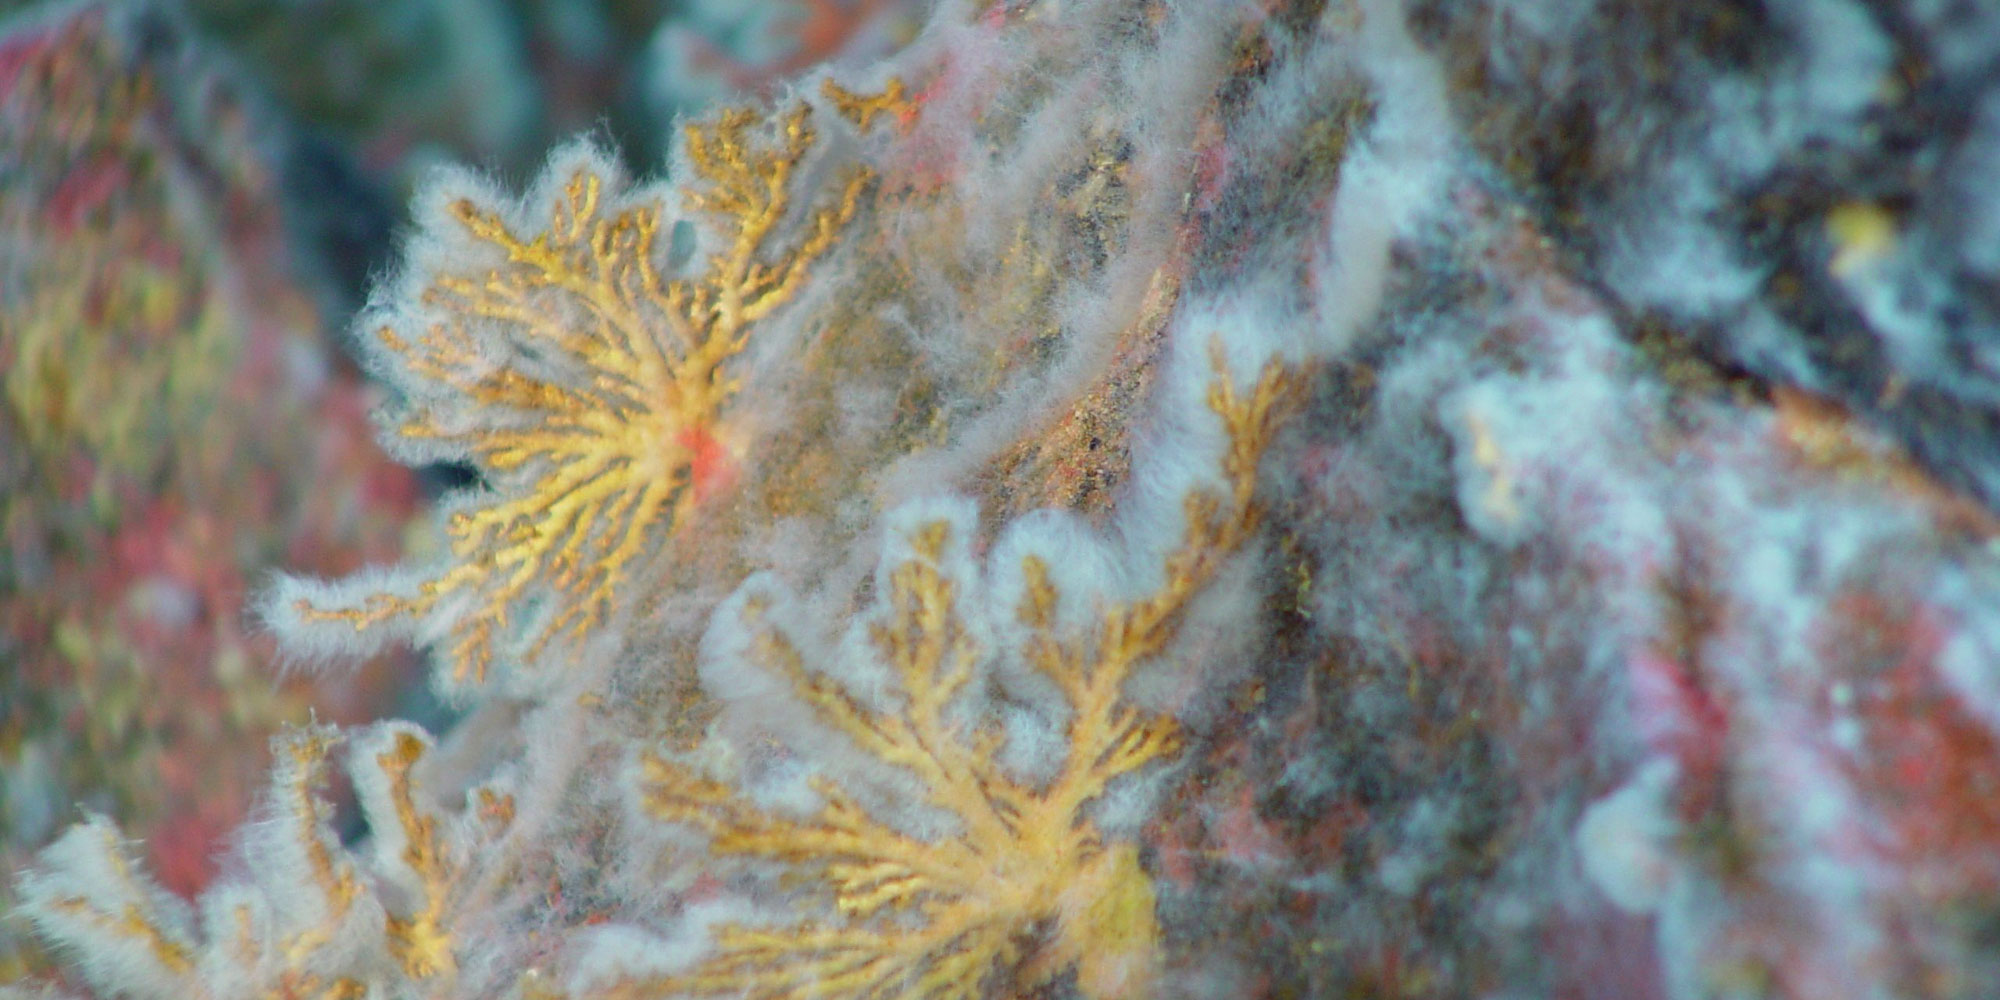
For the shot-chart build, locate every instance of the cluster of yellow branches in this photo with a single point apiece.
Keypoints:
(311, 921)
(1027, 886)
(586, 385)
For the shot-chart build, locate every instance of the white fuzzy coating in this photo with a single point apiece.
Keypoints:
(317, 644)
(613, 953)
(760, 701)
(271, 919)
(388, 846)
(83, 886)
(762, 712)
(1626, 840)
(1393, 179)
(277, 861)
(971, 611)
(240, 914)
(1085, 571)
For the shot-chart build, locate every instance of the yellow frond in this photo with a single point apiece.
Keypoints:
(587, 384)
(1025, 889)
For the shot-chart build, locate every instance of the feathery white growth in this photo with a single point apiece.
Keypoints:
(761, 704)
(991, 856)
(317, 644)
(130, 937)
(954, 836)
(1392, 177)
(296, 912)
(609, 953)
(554, 344)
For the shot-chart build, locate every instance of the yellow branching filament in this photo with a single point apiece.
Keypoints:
(1028, 887)
(332, 876)
(418, 940)
(861, 109)
(133, 921)
(304, 751)
(586, 384)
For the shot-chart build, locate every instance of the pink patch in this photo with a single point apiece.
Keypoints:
(14, 57)
(1676, 717)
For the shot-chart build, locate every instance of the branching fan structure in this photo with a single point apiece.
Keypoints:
(584, 384)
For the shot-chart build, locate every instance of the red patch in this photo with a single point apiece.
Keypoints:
(711, 469)
(1932, 763)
